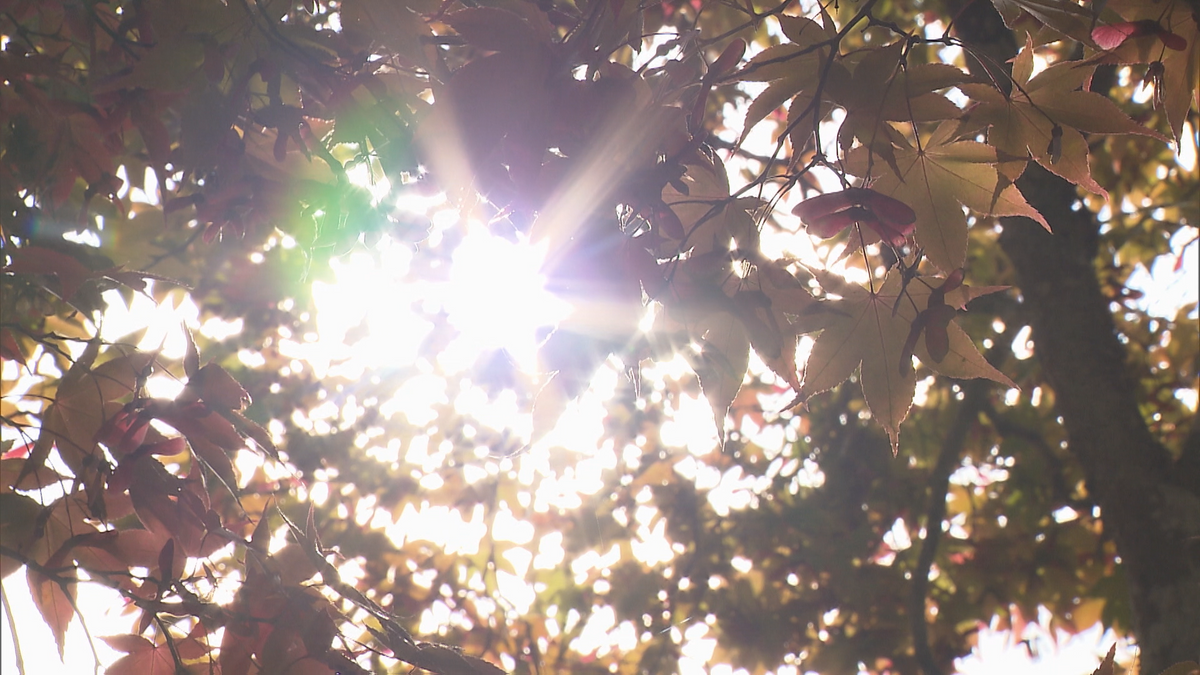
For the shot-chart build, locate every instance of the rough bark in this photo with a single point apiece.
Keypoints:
(1149, 502)
(1153, 517)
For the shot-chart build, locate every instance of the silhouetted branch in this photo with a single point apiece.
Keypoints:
(939, 482)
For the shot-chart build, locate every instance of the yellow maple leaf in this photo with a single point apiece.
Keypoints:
(937, 178)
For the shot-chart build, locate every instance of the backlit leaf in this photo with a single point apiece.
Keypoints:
(937, 179)
(1064, 16)
(882, 89)
(55, 602)
(493, 29)
(866, 332)
(1044, 115)
(721, 364)
(1179, 86)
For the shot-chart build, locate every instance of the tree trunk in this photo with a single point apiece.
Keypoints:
(1149, 502)
(1154, 518)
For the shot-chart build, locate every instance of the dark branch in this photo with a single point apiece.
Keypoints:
(975, 395)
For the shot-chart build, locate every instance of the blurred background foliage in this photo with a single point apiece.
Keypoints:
(234, 152)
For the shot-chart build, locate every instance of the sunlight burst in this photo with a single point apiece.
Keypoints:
(497, 298)
(494, 297)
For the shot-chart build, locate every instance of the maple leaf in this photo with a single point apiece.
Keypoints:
(169, 507)
(776, 308)
(141, 655)
(793, 70)
(707, 217)
(727, 61)
(1044, 115)
(870, 330)
(405, 26)
(1175, 46)
(56, 528)
(1061, 17)
(56, 602)
(782, 61)
(1106, 666)
(71, 272)
(18, 527)
(499, 30)
(85, 399)
(721, 364)
(40, 260)
(882, 89)
(936, 178)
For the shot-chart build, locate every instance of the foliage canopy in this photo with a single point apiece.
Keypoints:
(259, 512)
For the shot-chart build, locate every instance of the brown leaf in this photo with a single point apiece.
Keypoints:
(70, 272)
(151, 490)
(211, 436)
(145, 116)
(880, 90)
(84, 404)
(405, 27)
(10, 347)
(35, 479)
(18, 528)
(166, 564)
(128, 644)
(56, 605)
(260, 540)
(292, 564)
(262, 437)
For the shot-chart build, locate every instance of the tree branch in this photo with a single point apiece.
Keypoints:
(974, 398)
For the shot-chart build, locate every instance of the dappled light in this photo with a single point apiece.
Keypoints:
(468, 338)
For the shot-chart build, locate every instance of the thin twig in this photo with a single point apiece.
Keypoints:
(180, 669)
(12, 627)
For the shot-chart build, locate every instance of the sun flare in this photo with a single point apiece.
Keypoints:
(497, 299)
(493, 295)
